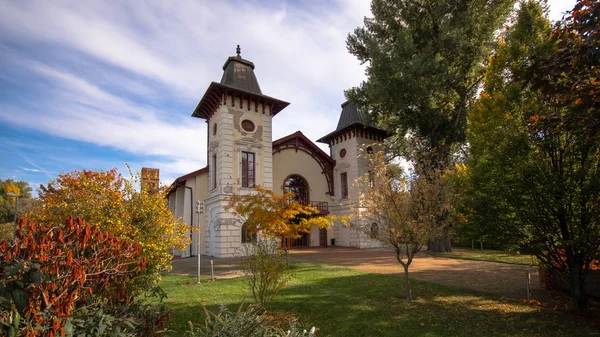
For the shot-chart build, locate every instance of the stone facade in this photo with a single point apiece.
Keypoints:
(239, 123)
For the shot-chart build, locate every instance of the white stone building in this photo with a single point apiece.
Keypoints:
(241, 154)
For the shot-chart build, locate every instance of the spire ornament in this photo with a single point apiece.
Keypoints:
(238, 50)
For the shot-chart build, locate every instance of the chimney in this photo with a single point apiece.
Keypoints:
(150, 179)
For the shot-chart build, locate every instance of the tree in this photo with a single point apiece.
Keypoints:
(535, 133)
(424, 65)
(276, 216)
(499, 140)
(405, 211)
(121, 207)
(7, 208)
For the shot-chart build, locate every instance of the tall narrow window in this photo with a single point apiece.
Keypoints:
(214, 171)
(247, 235)
(344, 184)
(371, 179)
(374, 231)
(248, 175)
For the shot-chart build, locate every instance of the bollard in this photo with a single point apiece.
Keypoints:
(528, 287)
(212, 270)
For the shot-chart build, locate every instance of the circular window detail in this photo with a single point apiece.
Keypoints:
(369, 150)
(342, 153)
(214, 129)
(248, 125)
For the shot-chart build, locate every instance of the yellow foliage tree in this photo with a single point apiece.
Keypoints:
(12, 188)
(121, 207)
(406, 211)
(276, 216)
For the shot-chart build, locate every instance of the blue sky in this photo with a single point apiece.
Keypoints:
(95, 84)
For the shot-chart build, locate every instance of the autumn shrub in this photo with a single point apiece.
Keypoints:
(83, 282)
(6, 231)
(265, 269)
(121, 207)
(247, 321)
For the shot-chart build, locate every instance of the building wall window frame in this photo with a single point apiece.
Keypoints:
(344, 185)
(247, 235)
(248, 169)
(374, 230)
(214, 171)
(299, 186)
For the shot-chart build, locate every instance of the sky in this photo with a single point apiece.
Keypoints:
(96, 84)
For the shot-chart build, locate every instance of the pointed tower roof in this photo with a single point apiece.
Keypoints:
(238, 80)
(352, 118)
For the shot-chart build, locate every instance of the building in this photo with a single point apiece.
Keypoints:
(241, 154)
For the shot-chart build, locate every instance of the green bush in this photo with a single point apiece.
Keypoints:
(248, 322)
(265, 269)
(6, 231)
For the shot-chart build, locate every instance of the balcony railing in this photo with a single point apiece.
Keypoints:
(322, 206)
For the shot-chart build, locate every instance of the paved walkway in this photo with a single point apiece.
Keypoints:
(503, 279)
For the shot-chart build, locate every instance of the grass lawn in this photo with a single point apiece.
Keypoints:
(345, 302)
(488, 255)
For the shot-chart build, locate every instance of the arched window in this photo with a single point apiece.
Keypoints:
(374, 230)
(369, 150)
(297, 185)
(247, 236)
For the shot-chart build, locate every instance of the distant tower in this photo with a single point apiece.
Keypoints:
(353, 138)
(239, 152)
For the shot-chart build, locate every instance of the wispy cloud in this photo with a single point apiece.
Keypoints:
(30, 169)
(125, 76)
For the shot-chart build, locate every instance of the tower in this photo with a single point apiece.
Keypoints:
(238, 118)
(353, 138)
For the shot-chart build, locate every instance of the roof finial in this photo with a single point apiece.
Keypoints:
(238, 50)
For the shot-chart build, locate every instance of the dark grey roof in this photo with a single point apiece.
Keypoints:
(239, 73)
(351, 115)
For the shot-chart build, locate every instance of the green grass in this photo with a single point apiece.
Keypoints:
(345, 302)
(488, 255)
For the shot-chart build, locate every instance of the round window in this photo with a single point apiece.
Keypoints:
(248, 125)
(342, 153)
(214, 129)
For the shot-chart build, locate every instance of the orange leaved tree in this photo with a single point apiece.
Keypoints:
(276, 216)
(121, 207)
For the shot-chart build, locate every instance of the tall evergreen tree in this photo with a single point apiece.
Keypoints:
(424, 65)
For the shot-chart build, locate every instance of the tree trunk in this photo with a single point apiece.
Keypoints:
(439, 245)
(578, 288)
(407, 285)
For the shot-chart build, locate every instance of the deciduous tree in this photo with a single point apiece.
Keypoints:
(121, 207)
(276, 216)
(424, 65)
(405, 210)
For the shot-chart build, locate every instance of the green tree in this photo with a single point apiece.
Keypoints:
(7, 204)
(535, 138)
(424, 66)
(498, 136)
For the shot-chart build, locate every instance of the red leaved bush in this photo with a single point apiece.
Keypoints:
(83, 265)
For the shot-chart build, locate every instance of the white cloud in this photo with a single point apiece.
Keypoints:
(30, 169)
(118, 60)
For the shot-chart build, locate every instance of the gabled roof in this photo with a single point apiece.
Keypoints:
(239, 80)
(299, 141)
(351, 118)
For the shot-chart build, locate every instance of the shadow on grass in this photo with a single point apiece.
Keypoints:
(342, 302)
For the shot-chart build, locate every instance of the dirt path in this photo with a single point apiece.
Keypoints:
(503, 279)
